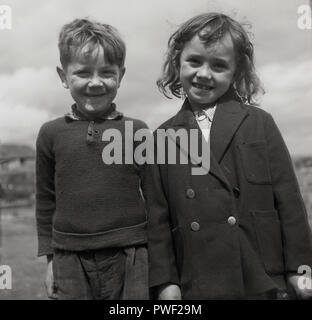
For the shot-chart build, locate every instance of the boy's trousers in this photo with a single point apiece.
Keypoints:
(108, 274)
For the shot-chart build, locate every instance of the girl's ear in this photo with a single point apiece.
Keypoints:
(62, 76)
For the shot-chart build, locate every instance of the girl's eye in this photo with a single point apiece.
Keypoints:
(219, 67)
(194, 61)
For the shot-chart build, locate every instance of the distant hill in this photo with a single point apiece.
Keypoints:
(17, 172)
(15, 151)
(302, 162)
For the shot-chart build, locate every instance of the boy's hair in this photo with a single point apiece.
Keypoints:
(211, 27)
(79, 33)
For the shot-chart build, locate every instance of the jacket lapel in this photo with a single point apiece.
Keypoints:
(185, 120)
(228, 117)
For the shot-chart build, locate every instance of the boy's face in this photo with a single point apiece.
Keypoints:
(206, 72)
(93, 82)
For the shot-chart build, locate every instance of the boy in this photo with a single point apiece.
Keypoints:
(91, 216)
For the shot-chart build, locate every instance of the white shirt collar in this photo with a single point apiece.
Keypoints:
(205, 113)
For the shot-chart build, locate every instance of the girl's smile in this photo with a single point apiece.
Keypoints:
(206, 72)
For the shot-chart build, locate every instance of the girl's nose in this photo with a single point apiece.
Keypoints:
(204, 72)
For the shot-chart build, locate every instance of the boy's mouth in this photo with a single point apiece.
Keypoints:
(94, 95)
(202, 86)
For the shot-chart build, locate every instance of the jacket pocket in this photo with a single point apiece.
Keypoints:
(269, 240)
(255, 162)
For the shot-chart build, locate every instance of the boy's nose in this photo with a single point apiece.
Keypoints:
(95, 82)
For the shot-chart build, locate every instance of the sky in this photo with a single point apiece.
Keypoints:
(31, 93)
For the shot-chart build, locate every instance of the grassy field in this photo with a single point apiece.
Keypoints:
(18, 250)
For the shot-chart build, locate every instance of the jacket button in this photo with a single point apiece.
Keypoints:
(195, 226)
(236, 192)
(231, 220)
(190, 193)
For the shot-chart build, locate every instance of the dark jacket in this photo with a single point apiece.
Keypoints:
(237, 230)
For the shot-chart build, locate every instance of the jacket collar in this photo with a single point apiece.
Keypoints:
(228, 117)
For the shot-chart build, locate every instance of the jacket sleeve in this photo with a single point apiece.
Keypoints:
(162, 263)
(296, 233)
(45, 191)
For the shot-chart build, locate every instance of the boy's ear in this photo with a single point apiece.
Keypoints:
(122, 73)
(62, 76)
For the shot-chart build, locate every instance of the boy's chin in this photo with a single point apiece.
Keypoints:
(93, 109)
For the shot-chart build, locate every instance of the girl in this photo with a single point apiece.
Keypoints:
(239, 231)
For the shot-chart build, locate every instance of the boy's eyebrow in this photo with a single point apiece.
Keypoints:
(87, 67)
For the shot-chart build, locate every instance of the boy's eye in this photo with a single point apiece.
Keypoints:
(83, 73)
(108, 73)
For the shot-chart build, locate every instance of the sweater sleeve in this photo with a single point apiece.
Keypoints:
(296, 233)
(45, 191)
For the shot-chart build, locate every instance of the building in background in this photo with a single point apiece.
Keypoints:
(17, 173)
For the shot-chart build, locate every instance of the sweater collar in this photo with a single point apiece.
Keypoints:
(76, 115)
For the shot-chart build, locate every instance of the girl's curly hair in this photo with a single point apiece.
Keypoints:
(211, 27)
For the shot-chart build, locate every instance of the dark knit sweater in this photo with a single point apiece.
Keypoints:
(81, 202)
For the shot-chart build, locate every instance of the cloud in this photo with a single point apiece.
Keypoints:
(20, 123)
(28, 98)
(37, 88)
(30, 84)
(288, 99)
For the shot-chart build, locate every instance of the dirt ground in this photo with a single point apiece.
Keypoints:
(18, 250)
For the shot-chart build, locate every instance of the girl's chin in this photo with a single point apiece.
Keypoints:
(202, 104)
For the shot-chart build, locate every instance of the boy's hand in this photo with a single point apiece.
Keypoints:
(169, 291)
(302, 293)
(49, 281)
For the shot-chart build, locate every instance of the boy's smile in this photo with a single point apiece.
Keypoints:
(93, 81)
(206, 72)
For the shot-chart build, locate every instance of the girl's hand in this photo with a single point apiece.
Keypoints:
(169, 291)
(49, 281)
(302, 293)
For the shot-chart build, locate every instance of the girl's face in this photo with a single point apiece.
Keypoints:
(206, 72)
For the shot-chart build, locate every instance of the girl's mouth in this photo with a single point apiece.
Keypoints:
(201, 86)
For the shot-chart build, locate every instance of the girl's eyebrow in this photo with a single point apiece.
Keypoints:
(221, 60)
(196, 55)
(216, 59)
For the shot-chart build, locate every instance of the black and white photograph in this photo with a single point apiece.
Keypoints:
(156, 150)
